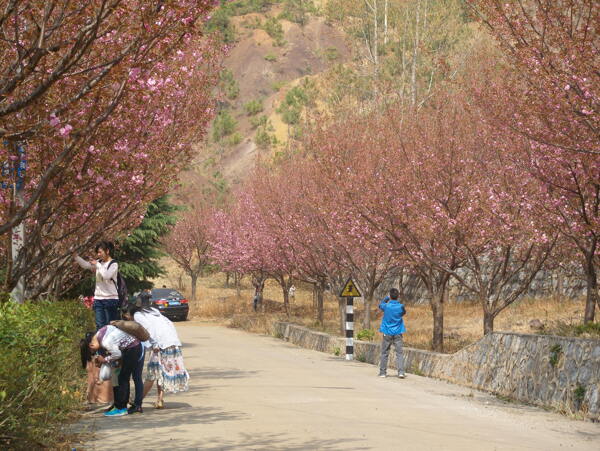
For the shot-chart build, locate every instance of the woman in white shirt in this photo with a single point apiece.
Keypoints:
(106, 296)
(166, 362)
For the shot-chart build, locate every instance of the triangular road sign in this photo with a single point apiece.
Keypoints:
(350, 290)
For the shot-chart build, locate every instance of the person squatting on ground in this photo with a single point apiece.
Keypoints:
(120, 345)
(166, 361)
(392, 328)
(106, 296)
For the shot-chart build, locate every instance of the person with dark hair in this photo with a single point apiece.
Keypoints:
(106, 296)
(119, 345)
(392, 328)
(144, 298)
(95, 393)
(166, 361)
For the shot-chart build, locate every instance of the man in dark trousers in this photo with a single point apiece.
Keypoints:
(392, 328)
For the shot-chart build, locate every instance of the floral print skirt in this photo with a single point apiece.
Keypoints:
(166, 367)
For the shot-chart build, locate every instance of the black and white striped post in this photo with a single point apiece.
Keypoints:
(349, 328)
(349, 292)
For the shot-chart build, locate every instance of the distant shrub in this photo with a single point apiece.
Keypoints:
(271, 57)
(252, 23)
(234, 139)
(253, 107)
(223, 125)
(591, 330)
(298, 11)
(291, 107)
(229, 84)
(264, 139)
(259, 121)
(331, 53)
(41, 380)
(220, 23)
(277, 85)
(242, 7)
(335, 11)
(274, 29)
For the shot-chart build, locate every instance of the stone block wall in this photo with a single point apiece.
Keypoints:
(558, 372)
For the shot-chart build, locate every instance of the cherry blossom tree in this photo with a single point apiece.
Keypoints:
(243, 242)
(188, 244)
(547, 91)
(110, 128)
(552, 48)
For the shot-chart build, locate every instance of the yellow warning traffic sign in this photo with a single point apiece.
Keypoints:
(350, 290)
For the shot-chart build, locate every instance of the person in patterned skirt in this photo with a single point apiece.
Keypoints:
(166, 365)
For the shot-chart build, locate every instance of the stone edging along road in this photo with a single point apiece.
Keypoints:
(549, 371)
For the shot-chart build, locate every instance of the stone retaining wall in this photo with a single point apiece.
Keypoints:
(549, 371)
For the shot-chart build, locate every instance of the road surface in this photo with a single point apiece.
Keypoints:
(251, 392)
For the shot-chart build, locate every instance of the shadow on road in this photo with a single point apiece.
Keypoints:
(174, 415)
(256, 442)
(272, 442)
(193, 389)
(221, 373)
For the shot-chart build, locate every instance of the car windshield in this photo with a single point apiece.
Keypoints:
(165, 293)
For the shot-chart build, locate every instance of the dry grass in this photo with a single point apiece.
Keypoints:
(463, 322)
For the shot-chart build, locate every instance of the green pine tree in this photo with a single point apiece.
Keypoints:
(139, 252)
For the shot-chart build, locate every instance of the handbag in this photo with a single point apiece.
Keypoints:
(105, 372)
(132, 328)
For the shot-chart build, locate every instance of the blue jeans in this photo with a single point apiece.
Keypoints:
(132, 365)
(106, 310)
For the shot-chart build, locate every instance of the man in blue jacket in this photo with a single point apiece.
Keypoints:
(392, 328)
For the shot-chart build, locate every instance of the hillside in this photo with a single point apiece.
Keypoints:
(269, 57)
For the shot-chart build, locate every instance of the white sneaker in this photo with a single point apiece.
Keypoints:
(382, 375)
(401, 375)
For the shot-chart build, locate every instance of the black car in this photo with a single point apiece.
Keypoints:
(171, 303)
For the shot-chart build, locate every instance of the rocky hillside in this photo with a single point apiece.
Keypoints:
(272, 64)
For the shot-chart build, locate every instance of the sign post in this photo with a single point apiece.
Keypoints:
(350, 291)
(15, 172)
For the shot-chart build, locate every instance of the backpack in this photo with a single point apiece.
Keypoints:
(121, 287)
(132, 328)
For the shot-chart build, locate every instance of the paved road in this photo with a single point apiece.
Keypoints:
(252, 392)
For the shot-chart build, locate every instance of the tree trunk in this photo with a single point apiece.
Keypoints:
(367, 318)
(437, 308)
(319, 292)
(385, 23)
(286, 299)
(237, 281)
(376, 35)
(180, 284)
(227, 280)
(9, 264)
(413, 77)
(558, 293)
(488, 321)
(194, 278)
(592, 288)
